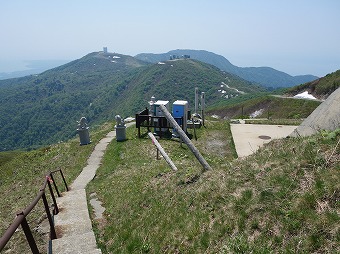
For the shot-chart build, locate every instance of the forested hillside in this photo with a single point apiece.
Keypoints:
(44, 109)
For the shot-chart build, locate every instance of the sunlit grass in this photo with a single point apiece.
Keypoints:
(282, 199)
(285, 198)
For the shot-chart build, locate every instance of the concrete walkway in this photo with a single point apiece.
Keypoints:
(73, 224)
(250, 137)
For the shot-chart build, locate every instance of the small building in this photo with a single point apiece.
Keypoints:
(105, 50)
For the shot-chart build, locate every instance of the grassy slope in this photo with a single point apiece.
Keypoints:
(320, 88)
(22, 175)
(283, 199)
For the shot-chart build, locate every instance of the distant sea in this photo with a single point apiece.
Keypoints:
(15, 69)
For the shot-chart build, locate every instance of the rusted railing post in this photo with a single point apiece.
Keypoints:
(55, 186)
(21, 216)
(56, 210)
(29, 235)
(53, 234)
(62, 175)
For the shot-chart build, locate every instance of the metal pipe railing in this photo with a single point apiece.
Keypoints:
(21, 216)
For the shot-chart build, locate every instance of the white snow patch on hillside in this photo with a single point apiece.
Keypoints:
(257, 113)
(305, 95)
(235, 89)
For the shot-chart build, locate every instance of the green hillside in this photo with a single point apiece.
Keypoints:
(278, 106)
(177, 79)
(43, 109)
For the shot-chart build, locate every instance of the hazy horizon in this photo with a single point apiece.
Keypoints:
(296, 37)
(27, 65)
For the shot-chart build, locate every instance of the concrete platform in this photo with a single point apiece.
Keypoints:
(248, 138)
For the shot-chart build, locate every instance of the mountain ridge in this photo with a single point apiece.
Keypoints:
(43, 109)
(265, 76)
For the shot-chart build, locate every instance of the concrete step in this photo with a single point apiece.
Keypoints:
(73, 224)
(73, 199)
(76, 244)
(73, 217)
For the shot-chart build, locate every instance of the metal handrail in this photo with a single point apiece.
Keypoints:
(21, 216)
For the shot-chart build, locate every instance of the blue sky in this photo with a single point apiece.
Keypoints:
(294, 36)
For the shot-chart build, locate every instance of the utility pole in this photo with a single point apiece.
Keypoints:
(202, 106)
(196, 100)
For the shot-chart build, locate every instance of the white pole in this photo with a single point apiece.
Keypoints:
(185, 138)
(160, 148)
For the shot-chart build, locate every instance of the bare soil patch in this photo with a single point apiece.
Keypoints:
(216, 143)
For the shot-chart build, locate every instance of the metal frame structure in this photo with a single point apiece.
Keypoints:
(21, 216)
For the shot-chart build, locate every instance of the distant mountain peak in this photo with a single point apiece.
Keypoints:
(265, 76)
(103, 62)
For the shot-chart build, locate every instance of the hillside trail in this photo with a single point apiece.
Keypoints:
(72, 223)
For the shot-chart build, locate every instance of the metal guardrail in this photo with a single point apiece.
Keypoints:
(143, 119)
(21, 216)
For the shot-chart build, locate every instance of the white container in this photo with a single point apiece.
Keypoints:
(158, 112)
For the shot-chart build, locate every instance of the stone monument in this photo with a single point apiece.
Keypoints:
(120, 128)
(83, 131)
